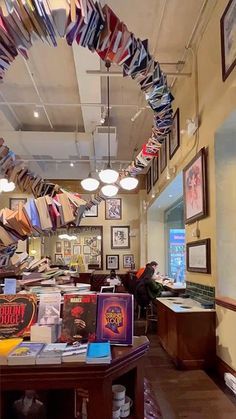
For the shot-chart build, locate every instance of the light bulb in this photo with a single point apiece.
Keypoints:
(99, 237)
(3, 184)
(129, 183)
(36, 114)
(72, 164)
(109, 190)
(108, 175)
(90, 184)
(9, 187)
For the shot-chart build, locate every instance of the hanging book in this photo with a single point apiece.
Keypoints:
(115, 318)
(17, 314)
(79, 317)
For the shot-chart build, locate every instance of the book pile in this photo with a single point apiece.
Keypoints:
(98, 353)
(230, 381)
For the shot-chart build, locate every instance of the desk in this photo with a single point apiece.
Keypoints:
(126, 368)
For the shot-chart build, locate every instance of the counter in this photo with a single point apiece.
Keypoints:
(183, 305)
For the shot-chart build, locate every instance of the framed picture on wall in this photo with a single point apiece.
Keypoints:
(76, 249)
(92, 212)
(58, 247)
(86, 250)
(149, 179)
(174, 136)
(128, 260)
(57, 257)
(14, 203)
(67, 244)
(195, 188)
(198, 256)
(155, 170)
(113, 209)
(163, 156)
(228, 39)
(112, 262)
(120, 237)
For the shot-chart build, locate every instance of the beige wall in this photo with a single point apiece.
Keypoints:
(217, 99)
(156, 238)
(130, 217)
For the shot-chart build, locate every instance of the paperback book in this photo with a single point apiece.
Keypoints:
(17, 314)
(49, 309)
(25, 353)
(51, 354)
(75, 353)
(98, 353)
(115, 318)
(79, 317)
(6, 346)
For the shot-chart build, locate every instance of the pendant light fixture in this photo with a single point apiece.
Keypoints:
(90, 184)
(129, 183)
(108, 175)
(109, 190)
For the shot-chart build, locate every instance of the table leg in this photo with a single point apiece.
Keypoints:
(100, 400)
(138, 409)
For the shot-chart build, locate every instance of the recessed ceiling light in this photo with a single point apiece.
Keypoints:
(36, 114)
(72, 164)
(170, 196)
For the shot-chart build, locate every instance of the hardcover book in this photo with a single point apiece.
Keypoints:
(49, 309)
(115, 318)
(25, 353)
(98, 353)
(17, 314)
(79, 317)
(6, 346)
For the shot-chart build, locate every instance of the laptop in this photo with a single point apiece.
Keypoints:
(108, 288)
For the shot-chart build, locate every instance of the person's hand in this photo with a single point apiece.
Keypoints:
(80, 323)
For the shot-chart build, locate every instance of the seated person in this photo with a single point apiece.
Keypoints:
(113, 279)
(147, 289)
(141, 270)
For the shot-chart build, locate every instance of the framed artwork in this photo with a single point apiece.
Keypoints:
(228, 39)
(174, 136)
(163, 156)
(67, 251)
(120, 237)
(128, 260)
(86, 250)
(4, 261)
(58, 257)
(155, 170)
(198, 256)
(58, 247)
(149, 179)
(195, 188)
(14, 203)
(113, 209)
(112, 262)
(76, 249)
(92, 212)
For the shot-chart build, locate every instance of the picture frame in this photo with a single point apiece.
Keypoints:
(174, 136)
(14, 203)
(86, 250)
(198, 256)
(149, 179)
(57, 256)
(195, 188)
(67, 244)
(92, 212)
(120, 237)
(112, 262)
(76, 249)
(128, 260)
(155, 170)
(58, 247)
(67, 251)
(163, 156)
(113, 209)
(228, 39)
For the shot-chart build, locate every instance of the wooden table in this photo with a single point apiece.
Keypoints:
(126, 368)
(176, 289)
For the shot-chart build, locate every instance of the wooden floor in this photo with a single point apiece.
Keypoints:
(184, 394)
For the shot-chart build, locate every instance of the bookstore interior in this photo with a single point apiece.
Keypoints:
(117, 209)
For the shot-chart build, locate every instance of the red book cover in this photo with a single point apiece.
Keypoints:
(79, 317)
(17, 314)
(115, 318)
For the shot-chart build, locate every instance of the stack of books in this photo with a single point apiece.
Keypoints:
(99, 353)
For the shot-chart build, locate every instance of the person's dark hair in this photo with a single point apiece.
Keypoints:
(112, 274)
(148, 272)
(153, 263)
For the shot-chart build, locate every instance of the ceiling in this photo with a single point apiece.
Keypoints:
(70, 102)
(172, 193)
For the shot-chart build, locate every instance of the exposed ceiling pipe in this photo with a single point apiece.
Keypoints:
(10, 115)
(38, 93)
(94, 158)
(202, 10)
(159, 24)
(76, 105)
(119, 74)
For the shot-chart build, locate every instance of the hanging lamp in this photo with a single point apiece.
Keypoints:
(90, 184)
(108, 175)
(129, 183)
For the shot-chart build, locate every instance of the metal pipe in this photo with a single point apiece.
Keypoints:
(119, 74)
(76, 105)
(38, 93)
(58, 160)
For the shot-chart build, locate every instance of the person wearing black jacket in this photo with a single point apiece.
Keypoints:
(147, 289)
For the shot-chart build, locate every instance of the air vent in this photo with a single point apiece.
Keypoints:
(104, 130)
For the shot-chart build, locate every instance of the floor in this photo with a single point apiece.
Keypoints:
(184, 394)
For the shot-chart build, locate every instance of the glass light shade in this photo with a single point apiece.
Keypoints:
(129, 183)
(9, 187)
(109, 190)
(3, 184)
(108, 175)
(90, 184)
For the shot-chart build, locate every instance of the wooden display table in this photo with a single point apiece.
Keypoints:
(126, 368)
